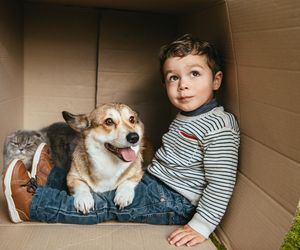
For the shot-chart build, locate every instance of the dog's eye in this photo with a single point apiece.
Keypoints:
(131, 119)
(109, 122)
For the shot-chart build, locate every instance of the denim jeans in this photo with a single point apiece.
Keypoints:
(154, 203)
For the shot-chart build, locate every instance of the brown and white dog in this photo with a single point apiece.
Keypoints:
(108, 155)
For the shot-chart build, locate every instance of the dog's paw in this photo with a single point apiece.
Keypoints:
(124, 196)
(84, 202)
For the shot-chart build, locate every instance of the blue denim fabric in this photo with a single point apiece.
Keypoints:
(154, 203)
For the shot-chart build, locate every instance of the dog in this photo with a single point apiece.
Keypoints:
(108, 155)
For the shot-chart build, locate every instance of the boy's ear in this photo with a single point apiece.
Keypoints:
(77, 122)
(217, 80)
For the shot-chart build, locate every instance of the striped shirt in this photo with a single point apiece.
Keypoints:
(198, 159)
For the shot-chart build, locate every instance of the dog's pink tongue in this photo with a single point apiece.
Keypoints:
(128, 154)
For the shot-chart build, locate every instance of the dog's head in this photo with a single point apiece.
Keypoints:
(116, 127)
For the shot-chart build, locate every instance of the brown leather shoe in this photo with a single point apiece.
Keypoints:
(18, 190)
(42, 164)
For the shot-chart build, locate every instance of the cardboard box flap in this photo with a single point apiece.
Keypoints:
(253, 219)
(272, 172)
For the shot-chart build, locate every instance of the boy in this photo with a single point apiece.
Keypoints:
(191, 177)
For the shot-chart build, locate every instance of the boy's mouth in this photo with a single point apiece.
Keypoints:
(185, 98)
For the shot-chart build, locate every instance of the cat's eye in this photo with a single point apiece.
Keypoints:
(132, 119)
(109, 122)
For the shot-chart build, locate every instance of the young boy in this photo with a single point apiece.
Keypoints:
(191, 177)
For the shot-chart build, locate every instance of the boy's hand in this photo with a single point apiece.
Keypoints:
(185, 236)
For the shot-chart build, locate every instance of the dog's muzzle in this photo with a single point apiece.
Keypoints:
(126, 154)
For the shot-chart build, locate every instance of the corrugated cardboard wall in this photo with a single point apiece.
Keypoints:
(268, 57)
(60, 53)
(11, 69)
(129, 67)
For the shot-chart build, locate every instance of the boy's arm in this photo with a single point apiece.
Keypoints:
(220, 167)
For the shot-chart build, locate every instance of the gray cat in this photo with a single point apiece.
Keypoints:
(22, 145)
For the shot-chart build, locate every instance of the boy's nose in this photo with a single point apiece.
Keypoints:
(182, 85)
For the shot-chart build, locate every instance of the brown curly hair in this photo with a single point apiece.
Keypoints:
(189, 45)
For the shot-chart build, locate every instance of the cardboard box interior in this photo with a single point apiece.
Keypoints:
(74, 55)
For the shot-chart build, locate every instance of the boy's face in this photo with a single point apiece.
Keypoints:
(189, 81)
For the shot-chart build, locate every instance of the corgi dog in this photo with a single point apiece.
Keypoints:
(108, 155)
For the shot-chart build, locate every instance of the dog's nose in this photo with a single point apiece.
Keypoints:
(132, 137)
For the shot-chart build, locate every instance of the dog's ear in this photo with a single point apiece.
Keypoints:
(77, 122)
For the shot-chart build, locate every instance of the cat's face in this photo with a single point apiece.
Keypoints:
(23, 143)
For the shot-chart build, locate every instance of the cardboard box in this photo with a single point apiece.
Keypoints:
(72, 55)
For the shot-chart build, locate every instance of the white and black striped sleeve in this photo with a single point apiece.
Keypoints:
(220, 167)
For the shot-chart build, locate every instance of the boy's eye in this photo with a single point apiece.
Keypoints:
(195, 73)
(172, 78)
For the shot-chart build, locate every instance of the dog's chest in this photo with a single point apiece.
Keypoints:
(106, 170)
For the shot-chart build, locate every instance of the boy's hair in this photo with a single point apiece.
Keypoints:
(189, 45)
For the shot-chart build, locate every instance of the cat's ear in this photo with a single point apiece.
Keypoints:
(38, 134)
(12, 135)
(77, 122)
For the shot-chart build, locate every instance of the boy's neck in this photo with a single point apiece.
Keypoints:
(202, 109)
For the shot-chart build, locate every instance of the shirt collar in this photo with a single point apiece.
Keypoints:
(202, 109)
